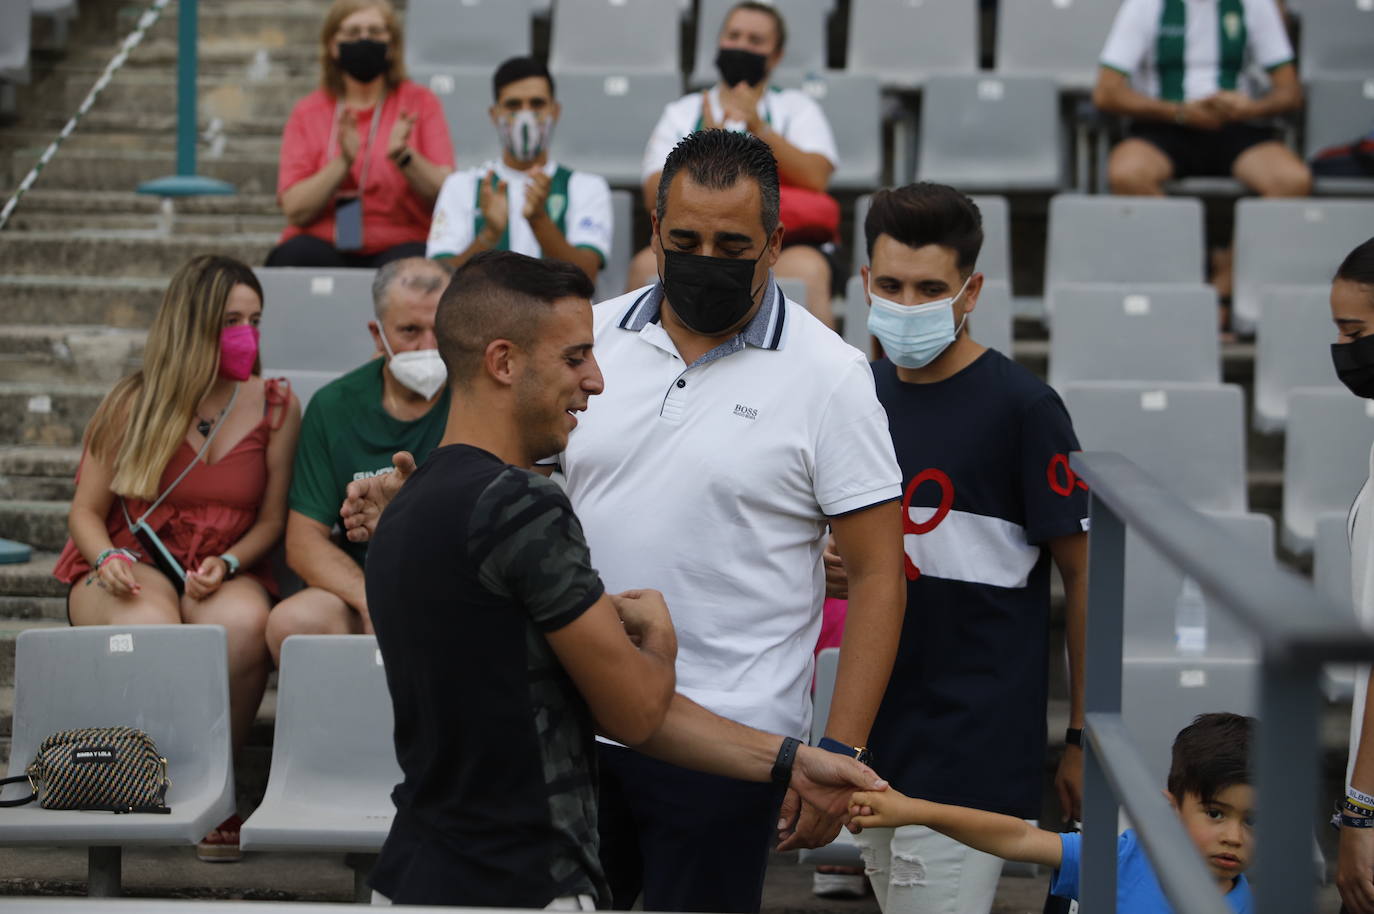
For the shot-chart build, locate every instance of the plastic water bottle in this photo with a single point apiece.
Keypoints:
(1190, 620)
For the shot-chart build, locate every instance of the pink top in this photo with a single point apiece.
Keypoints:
(209, 510)
(392, 212)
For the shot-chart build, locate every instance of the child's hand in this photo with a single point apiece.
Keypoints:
(883, 809)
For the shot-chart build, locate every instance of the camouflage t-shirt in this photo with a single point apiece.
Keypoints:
(472, 564)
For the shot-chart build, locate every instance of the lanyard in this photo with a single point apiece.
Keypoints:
(366, 151)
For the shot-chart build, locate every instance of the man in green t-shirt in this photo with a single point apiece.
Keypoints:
(397, 401)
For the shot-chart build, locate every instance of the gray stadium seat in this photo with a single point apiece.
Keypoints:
(304, 383)
(1292, 349)
(60, 14)
(1331, 559)
(172, 682)
(15, 27)
(1134, 332)
(852, 104)
(1292, 242)
(315, 319)
(1336, 38)
(474, 34)
(1189, 437)
(855, 327)
(333, 759)
(805, 51)
(602, 35)
(1325, 459)
(610, 282)
(990, 323)
(1061, 39)
(792, 289)
(994, 261)
(991, 132)
(465, 95)
(903, 43)
(1338, 110)
(608, 119)
(1123, 240)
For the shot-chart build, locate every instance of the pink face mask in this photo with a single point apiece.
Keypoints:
(238, 350)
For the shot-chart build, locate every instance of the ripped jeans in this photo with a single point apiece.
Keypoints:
(917, 870)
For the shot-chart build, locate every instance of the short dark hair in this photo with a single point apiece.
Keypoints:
(516, 69)
(1211, 754)
(924, 213)
(499, 295)
(717, 159)
(779, 24)
(1358, 265)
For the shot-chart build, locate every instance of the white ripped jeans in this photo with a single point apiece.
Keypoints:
(917, 870)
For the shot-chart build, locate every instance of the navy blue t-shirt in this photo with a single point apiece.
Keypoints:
(986, 485)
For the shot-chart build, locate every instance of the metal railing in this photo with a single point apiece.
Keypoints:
(1297, 629)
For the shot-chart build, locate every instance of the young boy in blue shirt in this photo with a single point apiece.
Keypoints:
(1209, 788)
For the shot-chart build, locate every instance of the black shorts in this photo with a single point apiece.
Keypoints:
(1201, 153)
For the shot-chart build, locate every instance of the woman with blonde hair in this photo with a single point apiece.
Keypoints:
(363, 156)
(182, 486)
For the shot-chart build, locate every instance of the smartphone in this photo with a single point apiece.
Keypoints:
(348, 223)
(160, 556)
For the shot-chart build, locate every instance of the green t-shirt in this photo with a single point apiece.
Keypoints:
(347, 435)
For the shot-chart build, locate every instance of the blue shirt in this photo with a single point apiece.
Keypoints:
(1137, 889)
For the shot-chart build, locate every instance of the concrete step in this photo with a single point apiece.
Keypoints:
(38, 474)
(9, 631)
(33, 141)
(128, 253)
(40, 524)
(231, 55)
(47, 414)
(106, 300)
(160, 124)
(228, 97)
(127, 202)
(289, 23)
(81, 353)
(124, 170)
(32, 578)
(232, 223)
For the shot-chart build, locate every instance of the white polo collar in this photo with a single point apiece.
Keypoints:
(764, 330)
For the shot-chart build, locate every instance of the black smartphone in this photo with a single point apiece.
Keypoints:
(160, 556)
(348, 223)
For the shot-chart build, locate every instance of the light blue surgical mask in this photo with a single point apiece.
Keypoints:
(914, 336)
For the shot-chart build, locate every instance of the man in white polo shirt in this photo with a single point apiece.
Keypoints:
(526, 202)
(752, 39)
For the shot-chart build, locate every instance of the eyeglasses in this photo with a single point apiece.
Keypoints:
(375, 33)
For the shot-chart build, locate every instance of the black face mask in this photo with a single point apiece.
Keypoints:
(1354, 363)
(364, 59)
(708, 294)
(737, 65)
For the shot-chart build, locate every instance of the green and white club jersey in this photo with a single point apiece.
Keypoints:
(1181, 50)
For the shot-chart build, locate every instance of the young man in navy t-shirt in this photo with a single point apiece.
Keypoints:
(989, 502)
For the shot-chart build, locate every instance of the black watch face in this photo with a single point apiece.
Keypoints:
(865, 757)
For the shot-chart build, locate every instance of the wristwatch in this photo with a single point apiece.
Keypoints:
(231, 565)
(859, 753)
(1073, 736)
(782, 765)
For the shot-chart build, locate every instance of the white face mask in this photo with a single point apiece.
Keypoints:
(914, 336)
(524, 135)
(420, 370)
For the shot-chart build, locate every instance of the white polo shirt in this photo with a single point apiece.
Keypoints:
(584, 212)
(791, 112)
(713, 483)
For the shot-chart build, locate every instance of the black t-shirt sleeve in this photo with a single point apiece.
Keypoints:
(1055, 500)
(528, 546)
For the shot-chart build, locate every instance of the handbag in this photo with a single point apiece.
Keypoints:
(116, 769)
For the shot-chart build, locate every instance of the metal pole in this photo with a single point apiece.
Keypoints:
(1106, 591)
(104, 872)
(1285, 756)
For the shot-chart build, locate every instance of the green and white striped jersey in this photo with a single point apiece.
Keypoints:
(1180, 50)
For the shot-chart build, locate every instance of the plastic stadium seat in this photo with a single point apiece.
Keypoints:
(1336, 38)
(853, 106)
(604, 35)
(315, 319)
(805, 51)
(1123, 240)
(1338, 110)
(1331, 559)
(1292, 349)
(792, 289)
(1189, 437)
(15, 25)
(1061, 39)
(171, 681)
(1325, 459)
(608, 118)
(304, 383)
(333, 759)
(60, 14)
(1134, 333)
(991, 132)
(990, 323)
(994, 261)
(855, 328)
(610, 282)
(903, 43)
(475, 34)
(465, 95)
(1292, 242)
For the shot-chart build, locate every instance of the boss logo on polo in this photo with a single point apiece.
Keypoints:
(93, 755)
(747, 412)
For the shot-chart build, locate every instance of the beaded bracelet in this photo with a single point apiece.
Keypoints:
(122, 554)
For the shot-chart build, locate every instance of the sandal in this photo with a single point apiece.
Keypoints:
(222, 844)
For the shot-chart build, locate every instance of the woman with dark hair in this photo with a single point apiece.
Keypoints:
(1352, 309)
(363, 156)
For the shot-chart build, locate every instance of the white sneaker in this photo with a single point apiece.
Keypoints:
(838, 885)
